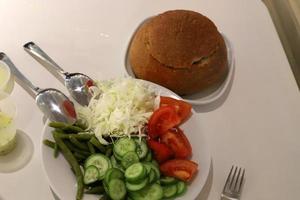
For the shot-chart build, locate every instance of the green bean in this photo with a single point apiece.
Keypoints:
(78, 144)
(97, 144)
(73, 129)
(95, 190)
(91, 147)
(66, 127)
(80, 125)
(73, 162)
(79, 156)
(75, 149)
(58, 125)
(56, 150)
(49, 143)
(77, 136)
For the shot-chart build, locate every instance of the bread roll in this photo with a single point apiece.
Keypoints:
(181, 50)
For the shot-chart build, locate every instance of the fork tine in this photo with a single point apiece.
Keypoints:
(232, 179)
(228, 177)
(237, 179)
(241, 182)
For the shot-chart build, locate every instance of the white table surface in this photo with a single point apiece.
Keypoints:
(257, 126)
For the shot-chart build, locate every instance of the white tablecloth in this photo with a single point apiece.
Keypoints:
(257, 126)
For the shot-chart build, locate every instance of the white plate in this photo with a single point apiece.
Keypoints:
(62, 180)
(200, 98)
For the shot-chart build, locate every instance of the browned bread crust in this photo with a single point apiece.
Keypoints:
(181, 50)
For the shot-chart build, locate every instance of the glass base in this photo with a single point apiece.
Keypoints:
(20, 156)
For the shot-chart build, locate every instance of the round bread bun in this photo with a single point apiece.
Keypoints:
(180, 50)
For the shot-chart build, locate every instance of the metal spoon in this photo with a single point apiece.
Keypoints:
(53, 103)
(76, 83)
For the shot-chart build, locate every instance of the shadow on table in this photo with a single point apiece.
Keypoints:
(219, 102)
(207, 187)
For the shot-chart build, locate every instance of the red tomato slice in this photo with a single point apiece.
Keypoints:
(89, 83)
(183, 108)
(184, 170)
(69, 107)
(176, 140)
(161, 151)
(162, 120)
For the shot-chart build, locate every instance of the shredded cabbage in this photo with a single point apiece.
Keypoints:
(119, 107)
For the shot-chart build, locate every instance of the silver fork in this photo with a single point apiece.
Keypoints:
(234, 183)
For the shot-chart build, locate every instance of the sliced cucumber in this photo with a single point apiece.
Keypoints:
(100, 161)
(116, 189)
(148, 157)
(115, 163)
(135, 172)
(147, 167)
(169, 191)
(154, 167)
(167, 180)
(136, 186)
(113, 173)
(129, 158)
(181, 188)
(91, 175)
(124, 145)
(152, 176)
(151, 192)
(141, 148)
(154, 162)
(118, 158)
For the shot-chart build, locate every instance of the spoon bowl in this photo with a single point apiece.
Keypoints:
(52, 102)
(76, 83)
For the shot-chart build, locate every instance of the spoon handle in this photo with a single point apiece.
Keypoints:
(41, 57)
(20, 78)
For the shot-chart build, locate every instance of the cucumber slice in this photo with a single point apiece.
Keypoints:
(148, 157)
(152, 176)
(151, 192)
(147, 167)
(100, 161)
(135, 172)
(136, 186)
(118, 158)
(124, 145)
(169, 191)
(116, 189)
(91, 174)
(115, 163)
(154, 162)
(181, 188)
(129, 159)
(167, 180)
(154, 167)
(113, 173)
(105, 187)
(141, 148)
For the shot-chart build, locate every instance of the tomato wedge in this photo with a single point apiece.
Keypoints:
(89, 83)
(184, 170)
(176, 140)
(162, 119)
(183, 109)
(161, 151)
